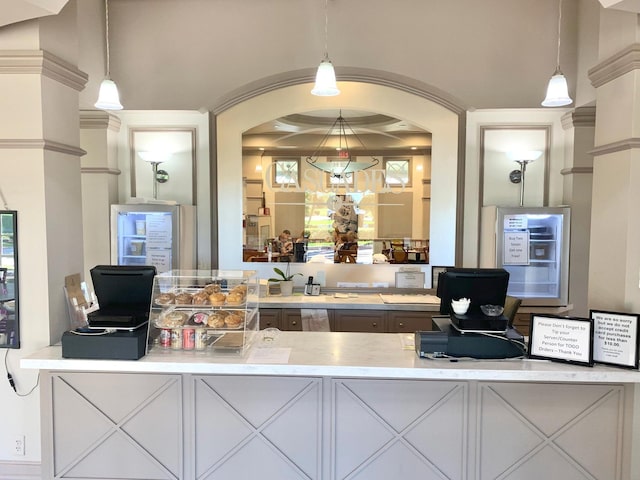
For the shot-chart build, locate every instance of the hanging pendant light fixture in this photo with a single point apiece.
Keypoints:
(326, 76)
(108, 98)
(337, 140)
(557, 90)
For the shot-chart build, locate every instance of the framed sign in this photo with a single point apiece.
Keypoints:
(615, 338)
(561, 339)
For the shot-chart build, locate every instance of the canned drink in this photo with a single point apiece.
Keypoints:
(201, 338)
(165, 338)
(176, 339)
(188, 339)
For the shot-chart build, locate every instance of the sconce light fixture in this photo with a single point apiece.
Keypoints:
(108, 98)
(522, 158)
(557, 90)
(159, 176)
(325, 76)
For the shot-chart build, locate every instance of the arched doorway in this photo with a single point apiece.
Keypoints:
(443, 122)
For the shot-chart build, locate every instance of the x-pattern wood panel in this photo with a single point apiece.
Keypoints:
(404, 443)
(243, 428)
(539, 447)
(112, 430)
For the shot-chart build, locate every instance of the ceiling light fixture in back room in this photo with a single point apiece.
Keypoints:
(325, 85)
(557, 90)
(108, 98)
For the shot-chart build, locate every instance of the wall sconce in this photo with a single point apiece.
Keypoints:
(522, 158)
(159, 176)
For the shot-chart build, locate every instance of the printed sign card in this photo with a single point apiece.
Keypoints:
(561, 339)
(615, 338)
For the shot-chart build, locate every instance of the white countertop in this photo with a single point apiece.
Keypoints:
(371, 301)
(340, 354)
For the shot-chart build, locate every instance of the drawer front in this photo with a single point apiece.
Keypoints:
(270, 318)
(360, 321)
(291, 319)
(402, 322)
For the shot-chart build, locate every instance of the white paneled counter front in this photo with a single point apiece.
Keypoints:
(316, 405)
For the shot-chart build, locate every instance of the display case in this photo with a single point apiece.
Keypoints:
(206, 312)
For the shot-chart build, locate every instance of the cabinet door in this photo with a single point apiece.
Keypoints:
(522, 323)
(291, 319)
(360, 321)
(270, 317)
(409, 321)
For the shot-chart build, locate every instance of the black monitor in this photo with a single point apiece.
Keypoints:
(120, 285)
(483, 286)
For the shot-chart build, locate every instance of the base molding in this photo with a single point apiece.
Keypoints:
(20, 470)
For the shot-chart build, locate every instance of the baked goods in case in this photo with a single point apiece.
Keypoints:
(199, 318)
(212, 288)
(216, 320)
(173, 319)
(165, 298)
(235, 298)
(233, 320)
(201, 298)
(217, 298)
(184, 298)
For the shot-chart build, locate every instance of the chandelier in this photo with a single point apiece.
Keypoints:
(345, 163)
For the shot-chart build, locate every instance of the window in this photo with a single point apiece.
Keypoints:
(286, 171)
(397, 172)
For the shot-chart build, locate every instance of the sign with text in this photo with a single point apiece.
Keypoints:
(615, 338)
(561, 339)
(516, 248)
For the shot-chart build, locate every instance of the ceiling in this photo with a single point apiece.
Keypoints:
(364, 131)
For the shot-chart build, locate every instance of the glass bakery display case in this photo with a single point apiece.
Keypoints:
(206, 312)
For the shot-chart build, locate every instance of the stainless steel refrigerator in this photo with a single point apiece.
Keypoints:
(532, 244)
(154, 234)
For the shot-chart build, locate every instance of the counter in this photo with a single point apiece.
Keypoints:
(334, 406)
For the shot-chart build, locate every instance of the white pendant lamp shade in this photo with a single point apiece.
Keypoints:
(557, 91)
(325, 80)
(108, 98)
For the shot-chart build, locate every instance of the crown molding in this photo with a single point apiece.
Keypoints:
(614, 147)
(576, 170)
(580, 117)
(108, 171)
(99, 120)
(621, 63)
(41, 62)
(49, 145)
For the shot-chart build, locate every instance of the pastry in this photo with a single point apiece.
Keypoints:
(165, 298)
(184, 299)
(212, 288)
(173, 319)
(201, 298)
(233, 321)
(216, 320)
(217, 298)
(235, 298)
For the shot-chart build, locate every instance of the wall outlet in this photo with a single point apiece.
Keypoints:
(19, 445)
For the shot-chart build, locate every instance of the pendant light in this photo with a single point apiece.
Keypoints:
(326, 76)
(557, 90)
(108, 98)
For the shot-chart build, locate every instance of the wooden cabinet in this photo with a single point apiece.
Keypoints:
(522, 323)
(270, 318)
(360, 321)
(408, 322)
(291, 319)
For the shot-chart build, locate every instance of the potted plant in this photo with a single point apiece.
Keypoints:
(285, 280)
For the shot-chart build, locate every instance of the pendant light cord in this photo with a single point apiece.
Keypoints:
(559, 36)
(106, 34)
(326, 28)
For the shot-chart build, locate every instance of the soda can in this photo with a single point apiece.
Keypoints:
(201, 338)
(165, 338)
(188, 339)
(176, 339)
